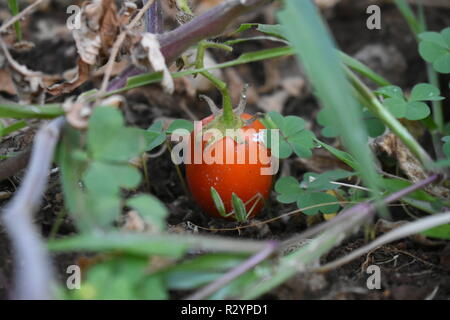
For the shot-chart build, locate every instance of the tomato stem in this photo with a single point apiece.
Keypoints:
(228, 117)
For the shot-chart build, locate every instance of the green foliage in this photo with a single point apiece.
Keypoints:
(239, 209)
(341, 155)
(413, 108)
(316, 50)
(4, 131)
(103, 168)
(150, 209)
(446, 146)
(218, 202)
(180, 124)
(292, 137)
(440, 232)
(17, 111)
(248, 57)
(375, 127)
(434, 47)
(312, 191)
(155, 135)
(14, 7)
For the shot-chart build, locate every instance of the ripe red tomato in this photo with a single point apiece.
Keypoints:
(243, 178)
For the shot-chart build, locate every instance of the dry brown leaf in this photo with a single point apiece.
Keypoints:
(100, 25)
(147, 54)
(82, 75)
(7, 85)
(409, 164)
(134, 222)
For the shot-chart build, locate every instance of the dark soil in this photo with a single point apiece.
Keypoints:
(409, 270)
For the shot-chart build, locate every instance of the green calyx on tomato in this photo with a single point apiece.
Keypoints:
(235, 189)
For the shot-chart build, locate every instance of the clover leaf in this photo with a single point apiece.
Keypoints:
(321, 182)
(434, 47)
(320, 202)
(313, 191)
(413, 108)
(150, 208)
(109, 140)
(292, 138)
(108, 178)
(155, 135)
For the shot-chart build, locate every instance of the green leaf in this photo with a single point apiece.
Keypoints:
(396, 106)
(153, 288)
(292, 125)
(425, 92)
(14, 7)
(306, 30)
(180, 124)
(325, 119)
(321, 182)
(341, 155)
(442, 64)
(302, 142)
(18, 111)
(103, 209)
(155, 135)
(107, 178)
(150, 209)
(138, 244)
(433, 37)
(375, 127)
(391, 92)
(293, 135)
(416, 110)
(307, 199)
(12, 128)
(218, 202)
(435, 48)
(393, 185)
(288, 189)
(446, 36)
(239, 208)
(439, 232)
(109, 140)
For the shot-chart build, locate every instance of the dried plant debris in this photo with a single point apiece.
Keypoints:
(409, 164)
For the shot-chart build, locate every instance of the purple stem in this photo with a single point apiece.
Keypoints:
(366, 209)
(154, 17)
(251, 262)
(208, 25)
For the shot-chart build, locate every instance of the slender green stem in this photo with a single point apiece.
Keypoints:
(227, 105)
(374, 105)
(417, 26)
(57, 223)
(14, 7)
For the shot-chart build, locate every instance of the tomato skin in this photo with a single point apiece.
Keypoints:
(243, 179)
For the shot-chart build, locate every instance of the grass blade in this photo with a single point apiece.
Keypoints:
(316, 50)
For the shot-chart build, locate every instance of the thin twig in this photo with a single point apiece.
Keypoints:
(254, 260)
(208, 25)
(33, 276)
(396, 234)
(363, 209)
(118, 44)
(22, 14)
